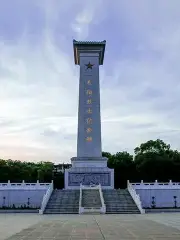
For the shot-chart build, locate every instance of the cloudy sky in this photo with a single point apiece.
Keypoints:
(140, 78)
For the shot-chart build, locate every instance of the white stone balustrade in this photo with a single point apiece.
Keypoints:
(46, 198)
(80, 199)
(103, 208)
(158, 194)
(156, 185)
(22, 194)
(24, 185)
(135, 197)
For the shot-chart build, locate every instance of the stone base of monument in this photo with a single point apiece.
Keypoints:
(88, 171)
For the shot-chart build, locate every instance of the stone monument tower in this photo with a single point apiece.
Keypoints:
(89, 167)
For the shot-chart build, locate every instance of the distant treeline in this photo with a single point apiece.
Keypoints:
(153, 160)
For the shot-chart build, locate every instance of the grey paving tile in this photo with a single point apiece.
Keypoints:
(111, 227)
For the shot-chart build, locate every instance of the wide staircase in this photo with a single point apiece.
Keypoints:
(91, 198)
(119, 202)
(62, 202)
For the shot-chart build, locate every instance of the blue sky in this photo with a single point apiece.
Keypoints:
(140, 78)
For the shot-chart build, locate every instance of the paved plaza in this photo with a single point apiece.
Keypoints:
(112, 227)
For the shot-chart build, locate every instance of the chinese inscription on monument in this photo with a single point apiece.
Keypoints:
(89, 110)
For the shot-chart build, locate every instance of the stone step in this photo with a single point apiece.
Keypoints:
(119, 202)
(123, 208)
(91, 196)
(63, 205)
(60, 205)
(63, 196)
(118, 195)
(62, 209)
(116, 206)
(60, 199)
(91, 202)
(91, 206)
(63, 201)
(123, 212)
(62, 212)
(67, 202)
(91, 199)
(119, 198)
(65, 191)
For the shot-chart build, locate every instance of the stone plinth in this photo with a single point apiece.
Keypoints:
(89, 175)
(89, 162)
(89, 171)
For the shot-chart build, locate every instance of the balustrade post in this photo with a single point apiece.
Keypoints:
(9, 183)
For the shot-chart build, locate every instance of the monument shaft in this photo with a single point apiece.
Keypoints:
(89, 122)
(89, 167)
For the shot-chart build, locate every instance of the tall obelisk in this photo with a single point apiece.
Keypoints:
(89, 120)
(89, 166)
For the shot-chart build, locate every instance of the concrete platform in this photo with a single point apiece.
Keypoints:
(112, 227)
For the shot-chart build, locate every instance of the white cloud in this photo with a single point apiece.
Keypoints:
(139, 81)
(91, 13)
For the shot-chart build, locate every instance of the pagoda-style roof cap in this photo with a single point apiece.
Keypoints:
(89, 42)
(87, 47)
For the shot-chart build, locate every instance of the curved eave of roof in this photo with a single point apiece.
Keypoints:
(85, 43)
(88, 42)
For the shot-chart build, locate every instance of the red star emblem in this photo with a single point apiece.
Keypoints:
(89, 65)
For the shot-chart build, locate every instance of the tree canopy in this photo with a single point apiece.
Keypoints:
(152, 160)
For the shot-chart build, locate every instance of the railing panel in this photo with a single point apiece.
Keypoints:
(135, 197)
(46, 198)
(156, 185)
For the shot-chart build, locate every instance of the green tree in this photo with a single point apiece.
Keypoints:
(45, 171)
(155, 160)
(124, 168)
(157, 146)
(110, 157)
